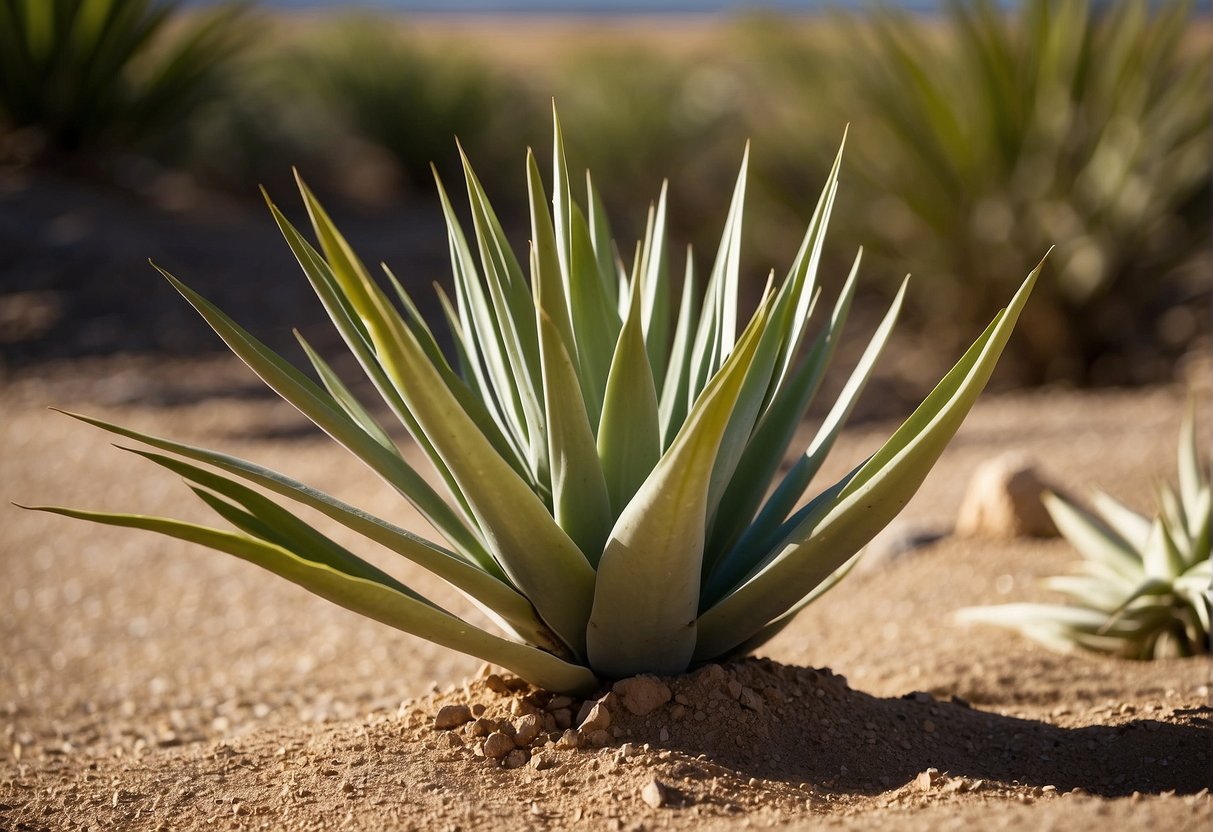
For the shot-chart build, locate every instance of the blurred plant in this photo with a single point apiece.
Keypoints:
(94, 74)
(644, 116)
(406, 97)
(1082, 124)
(607, 448)
(1143, 589)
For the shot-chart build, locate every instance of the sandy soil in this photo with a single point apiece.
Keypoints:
(152, 685)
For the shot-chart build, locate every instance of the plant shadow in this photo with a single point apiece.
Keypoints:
(810, 727)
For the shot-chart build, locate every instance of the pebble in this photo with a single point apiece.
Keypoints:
(641, 695)
(543, 761)
(517, 758)
(496, 684)
(452, 716)
(498, 745)
(598, 718)
(751, 700)
(1003, 500)
(570, 739)
(655, 793)
(526, 729)
(558, 702)
(482, 727)
(926, 779)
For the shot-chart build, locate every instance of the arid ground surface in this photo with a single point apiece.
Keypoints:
(148, 684)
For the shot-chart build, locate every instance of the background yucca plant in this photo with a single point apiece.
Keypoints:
(606, 445)
(403, 95)
(993, 132)
(1143, 585)
(92, 73)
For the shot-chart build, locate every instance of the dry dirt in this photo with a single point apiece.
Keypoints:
(148, 684)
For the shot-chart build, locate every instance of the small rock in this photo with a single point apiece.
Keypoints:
(928, 726)
(563, 718)
(483, 727)
(641, 695)
(526, 729)
(517, 758)
(570, 739)
(750, 699)
(655, 793)
(520, 707)
(452, 716)
(558, 702)
(1003, 500)
(543, 761)
(664, 736)
(496, 684)
(597, 719)
(734, 688)
(957, 785)
(498, 745)
(926, 779)
(627, 750)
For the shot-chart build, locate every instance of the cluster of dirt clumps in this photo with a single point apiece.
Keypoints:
(760, 721)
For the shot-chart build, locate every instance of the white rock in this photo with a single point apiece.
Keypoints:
(1003, 500)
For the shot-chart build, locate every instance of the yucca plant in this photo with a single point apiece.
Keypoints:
(95, 72)
(607, 447)
(999, 129)
(1142, 588)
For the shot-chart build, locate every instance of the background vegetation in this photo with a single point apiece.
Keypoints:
(977, 140)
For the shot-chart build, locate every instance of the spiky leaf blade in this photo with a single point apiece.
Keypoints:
(403, 610)
(870, 499)
(647, 593)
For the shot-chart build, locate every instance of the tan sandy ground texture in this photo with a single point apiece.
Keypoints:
(147, 684)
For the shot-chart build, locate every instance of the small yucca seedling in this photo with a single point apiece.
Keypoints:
(1142, 589)
(607, 449)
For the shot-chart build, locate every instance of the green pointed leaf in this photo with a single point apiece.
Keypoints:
(314, 403)
(629, 433)
(538, 556)
(580, 501)
(403, 610)
(546, 273)
(602, 240)
(1191, 482)
(372, 306)
(596, 321)
(342, 395)
(489, 590)
(779, 624)
(1131, 527)
(647, 592)
(802, 278)
(718, 315)
(871, 498)
(477, 318)
(656, 297)
(764, 532)
(344, 314)
(673, 405)
(514, 309)
(766, 450)
(1096, 541)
